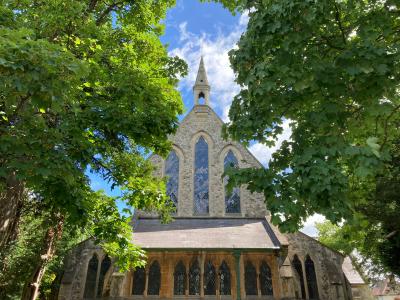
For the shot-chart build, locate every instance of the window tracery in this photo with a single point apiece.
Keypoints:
(299, 270)
(201, 193)
(265, 279)
(250, 279)
(105, 266)
(311, 279)
(172, 172)
(232, 199)
(180, 279)
(209, 279)
(194, 279)
(139, 281)
(91, 275)
(224, 279)
(154, 281)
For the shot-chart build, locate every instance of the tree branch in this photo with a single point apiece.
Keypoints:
(109, 9)
(338, 20)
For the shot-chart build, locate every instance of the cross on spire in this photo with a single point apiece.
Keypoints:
(201, 88)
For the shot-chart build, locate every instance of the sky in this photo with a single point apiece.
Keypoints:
(192, 30)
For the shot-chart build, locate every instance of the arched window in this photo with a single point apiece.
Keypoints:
(224, 279)
(172, 172)
(105, 266)
(311, 279)
(91, 275)
(139, 281)
(232, 199)
(265, 279)
(201, 177)
(250, 279)
(153, 287)
(194, 279)
(299, 270)
(209, 279)
(180, 279)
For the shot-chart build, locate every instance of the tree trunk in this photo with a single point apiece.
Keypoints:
(53, 234)
(11, 202)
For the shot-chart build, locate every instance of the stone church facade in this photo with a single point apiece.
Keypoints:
(220, 245)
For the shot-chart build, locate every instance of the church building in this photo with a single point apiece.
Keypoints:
(220, 245)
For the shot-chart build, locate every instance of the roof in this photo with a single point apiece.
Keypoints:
(351, 274)
(205, 233)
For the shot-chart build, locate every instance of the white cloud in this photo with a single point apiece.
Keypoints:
(309, 225)
(214, 49)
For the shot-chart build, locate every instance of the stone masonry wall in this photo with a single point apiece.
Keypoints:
(203, 121)
(327, 263)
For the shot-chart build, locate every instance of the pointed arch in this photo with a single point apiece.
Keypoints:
(209, 279)
(232, 199)
(105, 266)
(179, 279)
(224, 279)
(201, 176)
(265, 279)
(172, 172)
(139, 281)
(154, 283)
(311, 279)
(250, 279)
(296, 263)
(194, 278)
(91, 276)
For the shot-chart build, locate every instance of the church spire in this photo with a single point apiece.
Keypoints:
(201, 88)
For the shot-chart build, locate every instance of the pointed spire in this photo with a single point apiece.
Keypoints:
(201, 88)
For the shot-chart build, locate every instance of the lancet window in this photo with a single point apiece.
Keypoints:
(194, 279)
(224, 279)
(105, 266)
(139, 281)
(265, 279)
(154, 279)
(232, 199)
(209, 279)
(172, 172)
(299, 270)
(250, 279)
(91, 275)
(311, 279)
(180, 279)
(201, 194)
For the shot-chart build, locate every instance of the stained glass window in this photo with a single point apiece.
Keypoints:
(180, 279)
(224, 279)
(201, 177)
(265, 279)
(105, 266)
(172, 172)
(311, 279)
(139, 281)
(250, 279)
(153, 287)
(232, 199)
(91, 275)
(299, 270)
(194, 279)
(209, 279)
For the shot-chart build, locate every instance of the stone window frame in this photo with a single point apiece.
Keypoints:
(179, 152)
(211, 144)
(100, 257)
(317, 270)
(221, 157)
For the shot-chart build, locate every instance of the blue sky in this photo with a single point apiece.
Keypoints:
(194, 29)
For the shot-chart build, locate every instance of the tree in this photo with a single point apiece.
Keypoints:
(85, 85)
(329, 69)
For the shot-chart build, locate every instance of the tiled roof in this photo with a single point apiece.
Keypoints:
(351, 274)
(205, 233)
